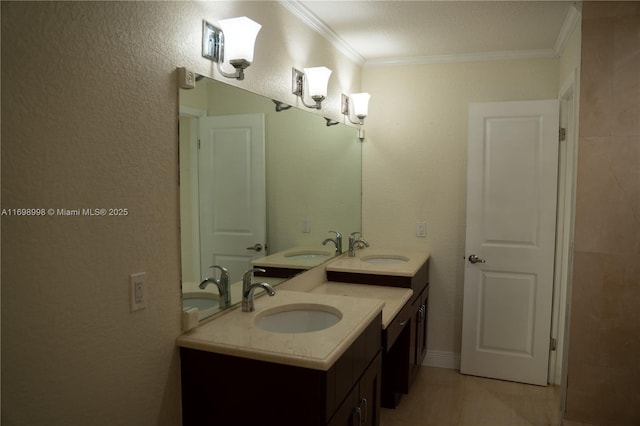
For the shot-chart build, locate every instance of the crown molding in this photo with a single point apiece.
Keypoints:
(466, 57)
(313, 22)
(570, 21)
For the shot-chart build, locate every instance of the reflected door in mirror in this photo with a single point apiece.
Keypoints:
(231, 169)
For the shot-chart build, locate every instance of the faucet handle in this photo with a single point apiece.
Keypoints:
(355, 234)
(338, 235)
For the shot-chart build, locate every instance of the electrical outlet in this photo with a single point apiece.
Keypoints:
(186, 78)
(138, 291)
(421, 229)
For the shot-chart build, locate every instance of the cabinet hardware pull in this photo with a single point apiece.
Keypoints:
(422, 310)
(358, 411)
(402, 323)
(366, 409)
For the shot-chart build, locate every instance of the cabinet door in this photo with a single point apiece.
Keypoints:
(347, 415)
(362, 405)
(415, 341)
(369, 401)
(419, 332)
(421, 337)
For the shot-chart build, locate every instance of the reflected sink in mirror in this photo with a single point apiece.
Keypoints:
(385, 259)
(298, 318)
(309, 255)
(206, 303)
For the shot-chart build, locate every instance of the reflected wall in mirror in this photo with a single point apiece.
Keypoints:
(250, 176)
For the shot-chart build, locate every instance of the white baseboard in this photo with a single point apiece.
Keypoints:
(442, 359)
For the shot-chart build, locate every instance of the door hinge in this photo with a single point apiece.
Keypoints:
(198, 143)
(562, 134)
(553, 345)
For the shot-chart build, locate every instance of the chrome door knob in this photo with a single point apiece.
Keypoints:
(475, 259)
(257, 247)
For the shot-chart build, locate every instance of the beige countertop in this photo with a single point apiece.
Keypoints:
(394, 298)
(301, 257)
(357, 264)
(234, 332)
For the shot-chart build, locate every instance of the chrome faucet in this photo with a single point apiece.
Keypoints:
(248, 288)
(223, 284)
(354, 242)
(337, 241)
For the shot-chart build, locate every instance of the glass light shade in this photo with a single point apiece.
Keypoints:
(239, 38)
(360, 102)
(317, 80)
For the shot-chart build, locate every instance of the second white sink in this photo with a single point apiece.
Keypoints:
(298, 318)
(385, 259)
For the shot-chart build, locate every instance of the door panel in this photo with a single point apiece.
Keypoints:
(511, 213)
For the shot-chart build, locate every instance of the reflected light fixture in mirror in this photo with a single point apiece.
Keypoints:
(235, 41)
(316, 79)
(358, 103)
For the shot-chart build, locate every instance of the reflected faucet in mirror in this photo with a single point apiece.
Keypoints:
(223, 284)
(248, 289)
(337, 242)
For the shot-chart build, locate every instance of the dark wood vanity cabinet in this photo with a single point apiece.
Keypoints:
(404, 341)
(228, 390)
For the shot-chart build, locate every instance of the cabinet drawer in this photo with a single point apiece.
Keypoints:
(394, 329)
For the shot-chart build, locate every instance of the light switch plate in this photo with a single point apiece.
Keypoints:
(421, 229)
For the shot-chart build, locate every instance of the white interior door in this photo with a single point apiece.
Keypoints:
(231, 192)
(511, 217)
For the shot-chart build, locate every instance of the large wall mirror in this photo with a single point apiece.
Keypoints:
(255, 183)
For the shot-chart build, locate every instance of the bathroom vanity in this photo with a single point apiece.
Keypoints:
(234, 372)
(404, 339)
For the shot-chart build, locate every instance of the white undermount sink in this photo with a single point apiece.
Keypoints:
(388, 259)
(298, 318)
(307, 254)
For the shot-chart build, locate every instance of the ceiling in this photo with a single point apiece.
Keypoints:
(382, 32)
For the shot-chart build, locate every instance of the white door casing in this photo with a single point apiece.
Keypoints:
(231, 192)
(511, 219)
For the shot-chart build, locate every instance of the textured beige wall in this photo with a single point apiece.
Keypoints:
(89, 120)
(604, 373)
(414, 164)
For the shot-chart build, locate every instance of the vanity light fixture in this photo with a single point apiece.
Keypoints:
(235, 41)
(317, 80)
(331, 122)
(358, 104)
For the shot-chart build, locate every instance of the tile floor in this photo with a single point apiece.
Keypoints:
(443, 397)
